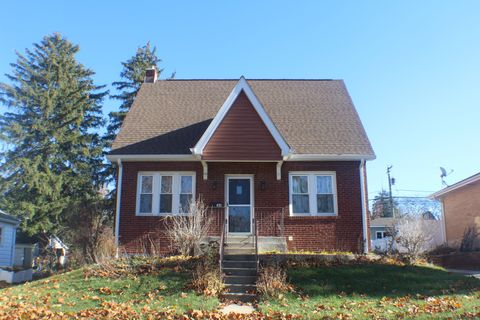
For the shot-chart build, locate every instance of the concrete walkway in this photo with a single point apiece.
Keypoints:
(237, 308)
(473, 273)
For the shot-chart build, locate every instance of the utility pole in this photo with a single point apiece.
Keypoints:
(390, 189)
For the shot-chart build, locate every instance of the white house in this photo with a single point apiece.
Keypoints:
(8, 230)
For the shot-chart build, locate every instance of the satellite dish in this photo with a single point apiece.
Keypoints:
(444, 175)
(444, 172)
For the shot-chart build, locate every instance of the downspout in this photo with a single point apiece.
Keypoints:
(364, 208)
(444, 223)
(119, 200)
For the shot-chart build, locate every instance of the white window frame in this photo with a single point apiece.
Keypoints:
(176, 190)
(312, 192)
(383, 233)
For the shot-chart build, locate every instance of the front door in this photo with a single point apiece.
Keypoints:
(239, 204)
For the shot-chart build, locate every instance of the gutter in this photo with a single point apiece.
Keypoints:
(119, 200)
(364, 209)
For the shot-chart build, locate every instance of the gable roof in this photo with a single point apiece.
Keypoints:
(241, 86)
(458, 185)
(313, 117)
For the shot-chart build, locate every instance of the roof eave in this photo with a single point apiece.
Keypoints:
(458, 185)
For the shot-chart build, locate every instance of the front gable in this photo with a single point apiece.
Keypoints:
(241, 130)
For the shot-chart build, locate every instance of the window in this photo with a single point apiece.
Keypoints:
(165, 193)
(381, 234)
(313, 193)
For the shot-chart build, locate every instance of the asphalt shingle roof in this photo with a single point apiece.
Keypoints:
(313, 116)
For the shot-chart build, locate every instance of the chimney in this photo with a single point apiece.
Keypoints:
(151, 75)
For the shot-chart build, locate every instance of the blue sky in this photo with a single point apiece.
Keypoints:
(412, 67)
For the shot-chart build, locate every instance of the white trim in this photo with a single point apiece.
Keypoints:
(364, 208)
(456, 186)
(119, 197)
(189, 157)
(241, 85)
(312, 194)
(156, 192)
(329, 157)
(152, 157)
(279, 170)
(252, 201)
(205, 169)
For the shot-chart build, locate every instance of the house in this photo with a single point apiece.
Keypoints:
(281, 161)
(379, 227)
(8, 229)
(461, 208)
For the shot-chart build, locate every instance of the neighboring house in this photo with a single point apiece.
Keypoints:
(283, 159)
(461, 208)
(379, 227)
(8, 229)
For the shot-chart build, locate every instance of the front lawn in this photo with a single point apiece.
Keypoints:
(378, 291)
(72, 292)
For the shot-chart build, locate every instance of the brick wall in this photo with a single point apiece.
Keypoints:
(139, 234)
(461, 209)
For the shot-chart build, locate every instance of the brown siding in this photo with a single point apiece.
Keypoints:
(461, 209)
(343, 232)
(242, 135)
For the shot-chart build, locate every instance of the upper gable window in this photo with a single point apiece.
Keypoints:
(165, 193)
(313, 193)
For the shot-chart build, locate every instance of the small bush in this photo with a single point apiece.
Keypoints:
(207, 276)
(187, 232)
(207, 280)
(272, 282)
(470, 236)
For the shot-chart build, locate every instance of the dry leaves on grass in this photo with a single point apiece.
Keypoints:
(124, 311)
(130, 267)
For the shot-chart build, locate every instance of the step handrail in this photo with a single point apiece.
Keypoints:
(222, 243)
(256, 243)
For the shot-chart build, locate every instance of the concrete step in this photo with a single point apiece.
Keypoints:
(239, 264)
(239, 245)
(240, 280)
(240, 288)
(243, 297)
(240, 271)
(239, 257)
(241, 251)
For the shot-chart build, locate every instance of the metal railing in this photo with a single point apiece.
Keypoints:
(255, 238)
(222, 243)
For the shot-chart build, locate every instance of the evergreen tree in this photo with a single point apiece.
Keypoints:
(53, 155)
(132, 75)
(381, 207)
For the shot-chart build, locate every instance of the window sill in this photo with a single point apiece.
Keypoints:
(161, 214)
(313, 215)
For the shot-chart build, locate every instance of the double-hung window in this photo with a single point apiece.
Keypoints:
(165, 193)
(313, 193)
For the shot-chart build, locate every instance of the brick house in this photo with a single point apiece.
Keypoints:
(461, 208)
(282, 160)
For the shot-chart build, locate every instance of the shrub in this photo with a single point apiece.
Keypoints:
(187, 232)
(207, 276)
(469, 239)
(272, 281)
(414, 234)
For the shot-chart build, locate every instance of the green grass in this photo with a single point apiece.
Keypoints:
(70, 292)
(383, 291)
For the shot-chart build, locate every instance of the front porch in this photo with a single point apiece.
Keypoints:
(267, 230)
